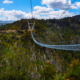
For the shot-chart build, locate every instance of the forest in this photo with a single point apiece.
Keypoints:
(22, 59)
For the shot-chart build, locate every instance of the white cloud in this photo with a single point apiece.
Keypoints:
(39, 13)
(7, 1)
(78, 4)
(14, 14)
(42, 10)
(46, 13)
(1, 11)
(59, 4)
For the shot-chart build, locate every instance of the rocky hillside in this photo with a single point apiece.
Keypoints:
(22, 59)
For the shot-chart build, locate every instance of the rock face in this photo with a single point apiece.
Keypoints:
(33, 58)
(42, 59)
(25, 58)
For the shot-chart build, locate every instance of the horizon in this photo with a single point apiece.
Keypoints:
(11, 21)
(12, 10)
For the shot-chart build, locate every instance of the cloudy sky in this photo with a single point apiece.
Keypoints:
(42, 9)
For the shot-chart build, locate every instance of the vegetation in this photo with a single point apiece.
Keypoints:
(22, 59)
(48, 72)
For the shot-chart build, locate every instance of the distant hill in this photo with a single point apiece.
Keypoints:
(4, 22)
(76, 17)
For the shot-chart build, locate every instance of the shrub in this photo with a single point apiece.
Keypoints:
(74, 70)
(48, 72)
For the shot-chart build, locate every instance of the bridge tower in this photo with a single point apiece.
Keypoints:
(31, 26)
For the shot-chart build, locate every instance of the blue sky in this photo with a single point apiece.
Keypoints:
(42, 9)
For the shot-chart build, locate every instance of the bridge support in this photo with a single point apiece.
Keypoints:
(31, 26)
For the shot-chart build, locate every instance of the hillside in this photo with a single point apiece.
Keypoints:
(5, 22)
(22, 59)
(2, 24)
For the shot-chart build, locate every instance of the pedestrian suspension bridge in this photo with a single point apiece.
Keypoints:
(74, 47)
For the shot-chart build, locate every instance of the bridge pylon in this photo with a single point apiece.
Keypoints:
(31, 26)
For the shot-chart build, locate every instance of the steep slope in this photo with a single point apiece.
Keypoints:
(22, 59)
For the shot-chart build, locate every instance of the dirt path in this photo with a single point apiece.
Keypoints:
(7, 31)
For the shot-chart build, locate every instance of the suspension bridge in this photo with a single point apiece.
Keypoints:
(73, 47)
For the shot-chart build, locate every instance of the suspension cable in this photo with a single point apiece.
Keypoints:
(66, 10)
(31, 8)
